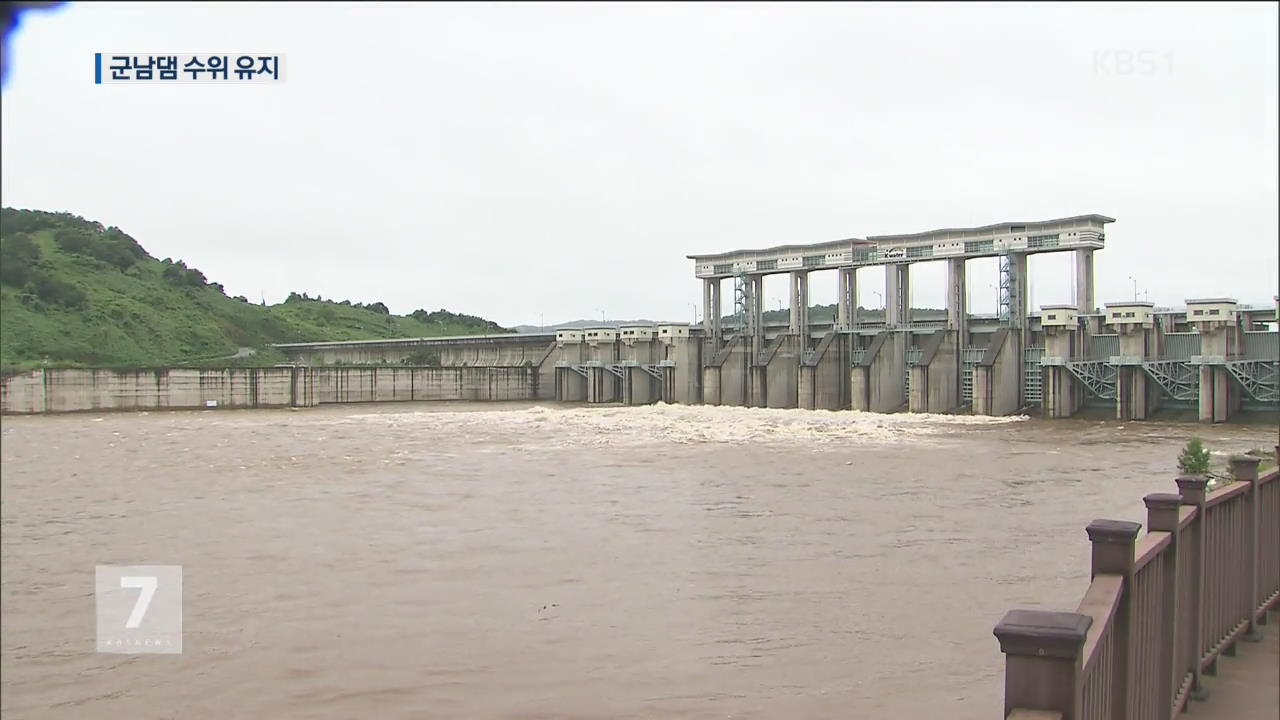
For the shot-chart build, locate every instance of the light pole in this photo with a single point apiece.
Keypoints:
(542, 321)
(602, 320)
(1135, 289)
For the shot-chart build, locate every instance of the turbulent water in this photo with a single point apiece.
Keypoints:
(517, 561)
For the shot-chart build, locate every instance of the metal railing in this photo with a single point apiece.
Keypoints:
(1159, 611)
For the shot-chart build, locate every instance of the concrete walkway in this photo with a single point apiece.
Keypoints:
(1247, 686)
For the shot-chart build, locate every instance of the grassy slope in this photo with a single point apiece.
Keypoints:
(137, 318)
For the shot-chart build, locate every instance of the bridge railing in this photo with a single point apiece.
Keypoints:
(1159, 610)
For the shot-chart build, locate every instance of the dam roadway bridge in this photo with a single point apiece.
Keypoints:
(1214, 355)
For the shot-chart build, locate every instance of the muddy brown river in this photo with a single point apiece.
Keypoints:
(523, 561)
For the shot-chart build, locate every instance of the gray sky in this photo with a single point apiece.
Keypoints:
(511, 161)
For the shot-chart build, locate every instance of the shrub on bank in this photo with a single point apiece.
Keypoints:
(1194, 459)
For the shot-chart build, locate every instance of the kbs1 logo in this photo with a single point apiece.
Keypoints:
(1142, 63)
(139, 608)
(161, 69)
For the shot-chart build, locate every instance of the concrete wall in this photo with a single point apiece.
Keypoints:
(571, 386)
(725, 376)
(877, 386)
(558, 383)
(821, 382)
(602, 385)
(935, 381)
(1059, 393)
(638, 387)
(72, 390)
(392, 384)
(758, 386)
(1137, 395)
(1220, 398)
(997, 387)
(1062, 394)
(782, 372)
(684, 383)
(733, 378)
(711, 385)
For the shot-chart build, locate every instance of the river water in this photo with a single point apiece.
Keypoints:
(523, 561)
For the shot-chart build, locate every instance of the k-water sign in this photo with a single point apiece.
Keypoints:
(163, 68)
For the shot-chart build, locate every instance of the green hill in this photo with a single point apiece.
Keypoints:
(73, 292)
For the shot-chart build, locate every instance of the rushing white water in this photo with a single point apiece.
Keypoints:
(683, 424)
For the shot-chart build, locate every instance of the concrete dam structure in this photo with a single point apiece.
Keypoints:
(1213, 355)
(631, 364)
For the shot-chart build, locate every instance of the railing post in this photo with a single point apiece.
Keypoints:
(1113, 543)
(1042, 669)
(1191, 488)
(1162, 516)
(1244, 468)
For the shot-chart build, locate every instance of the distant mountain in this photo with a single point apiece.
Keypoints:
(551, 327)
(73, 292)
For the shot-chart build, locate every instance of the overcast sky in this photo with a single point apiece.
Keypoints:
(560, 161)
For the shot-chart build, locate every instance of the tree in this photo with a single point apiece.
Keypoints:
(1194, 459)
(179, 274)
(175, 273)
(58, 292)
(73, 240)
(26, 221)
(112, 246)
(18, 257)
(123, 240)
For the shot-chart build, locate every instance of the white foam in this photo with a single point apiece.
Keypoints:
(682, 424)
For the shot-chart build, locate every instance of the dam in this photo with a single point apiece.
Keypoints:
(1213, 355)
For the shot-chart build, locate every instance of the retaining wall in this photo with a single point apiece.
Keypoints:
(71, 390)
